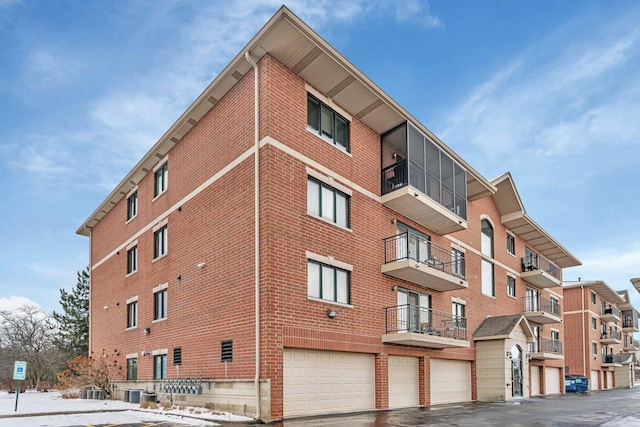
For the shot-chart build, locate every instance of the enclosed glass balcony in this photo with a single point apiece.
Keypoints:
(422, 182)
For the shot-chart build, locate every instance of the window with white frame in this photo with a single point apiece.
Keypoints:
(594, 348)
(457, 310)
(160, 367)
(488, 278)
(132, 314)
(161, 176)
(534, 347)
(593, 297)
(328, 282)
(160, 242)
(327, 123)
(555, 335)
(457, 263)
(132, 260)
(327, 202)
(511, 286)
(132, 205)
(160, 304)
(511, 244)
(594, 323)
(414, 312)
(486, 241)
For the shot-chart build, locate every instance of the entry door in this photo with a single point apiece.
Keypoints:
(413, 311)
(516, 371)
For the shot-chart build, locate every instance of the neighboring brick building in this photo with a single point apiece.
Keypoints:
(599, 328)
(320, 251)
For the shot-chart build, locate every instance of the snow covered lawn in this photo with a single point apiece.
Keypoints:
(57, 412)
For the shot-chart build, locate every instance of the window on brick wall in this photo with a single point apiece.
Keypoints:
(161, 176)
(511, 286)
(132, 260)
(132, 205)
(488, 278)
(327, 123)
(593, 297)
(160, 242)
(328, 282)
(132, 314)
(457, 310)
(132, 369)
(486, 241)
(327, 202)
(511, 244)
(594, 323)
(594, 348)
(160, 305)
(160, 367)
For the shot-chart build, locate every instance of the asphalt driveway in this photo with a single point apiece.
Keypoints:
(618, 407)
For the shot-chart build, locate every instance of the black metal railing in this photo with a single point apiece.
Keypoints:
(549, 345)
(540, 303)
(612, 334)
(611, 358)
(610, 311)
(420, 320)
(394, 177)
(417, 248)
(535, 262)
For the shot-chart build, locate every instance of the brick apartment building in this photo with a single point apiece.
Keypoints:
(599, 328)
(301, 244)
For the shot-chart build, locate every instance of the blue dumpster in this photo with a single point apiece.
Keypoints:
(576, 384)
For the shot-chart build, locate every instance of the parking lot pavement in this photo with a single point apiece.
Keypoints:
(610, 408)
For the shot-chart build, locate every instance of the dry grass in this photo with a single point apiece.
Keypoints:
(70, 393)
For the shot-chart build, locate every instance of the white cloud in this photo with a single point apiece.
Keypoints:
(416, 11)
(48, 68)
(14, 302)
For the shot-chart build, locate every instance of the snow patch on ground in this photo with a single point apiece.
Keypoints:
(52, 408)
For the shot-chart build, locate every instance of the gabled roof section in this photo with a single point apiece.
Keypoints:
(636, 283)
(600, 287)
(626, 305)
(501, 327)
(293, 43)
(515, 218)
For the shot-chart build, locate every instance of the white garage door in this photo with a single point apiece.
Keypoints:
(552, 380)
(609, 379)
(403, 382)
(535, 380)
(321, 382)
(450, 381)
(593, 381)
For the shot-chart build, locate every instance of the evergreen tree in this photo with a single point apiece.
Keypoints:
(73, 324)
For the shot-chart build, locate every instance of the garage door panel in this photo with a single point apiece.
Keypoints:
(552, 380)
(593, 383)
(450, 381)
(403, 382)
(318, 382)
(535, 380)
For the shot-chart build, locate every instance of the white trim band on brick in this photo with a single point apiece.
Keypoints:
(329, 260)
(160, 287)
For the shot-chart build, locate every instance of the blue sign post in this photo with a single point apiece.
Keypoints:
(19, 374)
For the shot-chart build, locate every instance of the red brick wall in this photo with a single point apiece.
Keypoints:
(216, 302)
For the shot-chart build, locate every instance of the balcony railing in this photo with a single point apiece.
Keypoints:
(611, 335)
(540, 303)
(410, 246)
(536, 262)
(546, 345)
(408, 318)
(612, 359)
(610, 311)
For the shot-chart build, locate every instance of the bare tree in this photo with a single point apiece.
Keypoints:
(28, 334)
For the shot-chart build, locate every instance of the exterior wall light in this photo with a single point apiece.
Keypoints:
(332, 313)
(147, 331)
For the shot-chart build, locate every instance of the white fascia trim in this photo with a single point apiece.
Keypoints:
(329, 260)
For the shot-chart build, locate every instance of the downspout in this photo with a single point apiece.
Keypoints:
(587, 350)
(90, 277)
(256, 225)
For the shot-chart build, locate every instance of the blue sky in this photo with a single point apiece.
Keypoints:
(548, 90)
